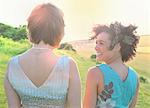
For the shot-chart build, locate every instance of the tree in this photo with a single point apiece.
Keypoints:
(15, 33)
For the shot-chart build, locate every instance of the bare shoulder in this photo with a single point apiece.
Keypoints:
(94, 71)
(72, 62)
(73, 67)
(94, 74)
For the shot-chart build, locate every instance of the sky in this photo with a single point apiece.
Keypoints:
(81, 15)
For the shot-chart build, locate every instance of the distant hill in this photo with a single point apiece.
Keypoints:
(86, 47)
(144, 41)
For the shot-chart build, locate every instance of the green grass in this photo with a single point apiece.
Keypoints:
(3, 61)
(141, 63)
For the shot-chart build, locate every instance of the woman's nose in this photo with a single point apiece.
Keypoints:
(96, 47)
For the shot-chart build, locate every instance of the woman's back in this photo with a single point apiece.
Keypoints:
(37, 64)
(117, 93)
(47, 88)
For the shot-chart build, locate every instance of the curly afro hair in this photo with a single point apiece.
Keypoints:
(125, 35)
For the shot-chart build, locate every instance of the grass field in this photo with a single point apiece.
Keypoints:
(141, 63)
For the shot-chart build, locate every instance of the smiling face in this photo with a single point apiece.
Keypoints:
(102, 48)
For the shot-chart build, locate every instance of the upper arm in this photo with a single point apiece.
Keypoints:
(133, 103)
(74, 92)
(91, 88)
(12, 97)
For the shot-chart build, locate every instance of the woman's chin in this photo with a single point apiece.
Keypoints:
(98, 59)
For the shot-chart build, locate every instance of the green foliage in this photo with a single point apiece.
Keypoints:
(66, 46)
(15, 34)
(143, 79)
(93, 56)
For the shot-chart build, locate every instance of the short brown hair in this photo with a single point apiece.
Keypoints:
(46, 24)
(124, 35)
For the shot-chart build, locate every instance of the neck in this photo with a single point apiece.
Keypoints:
(42, 46)
(115, 60)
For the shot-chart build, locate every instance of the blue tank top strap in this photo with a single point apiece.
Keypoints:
(107, 72)
(134, 78)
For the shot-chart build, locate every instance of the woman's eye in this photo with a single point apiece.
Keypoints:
(100, 43)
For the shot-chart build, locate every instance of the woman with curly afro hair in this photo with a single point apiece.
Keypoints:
(113, 84)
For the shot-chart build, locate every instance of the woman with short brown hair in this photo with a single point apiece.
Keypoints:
(38, 78)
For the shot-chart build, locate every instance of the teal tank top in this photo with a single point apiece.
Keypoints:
(116, 93)
(51, 94)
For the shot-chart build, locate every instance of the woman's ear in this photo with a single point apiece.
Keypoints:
(29, 38)
(117, 47)
(57, 46)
